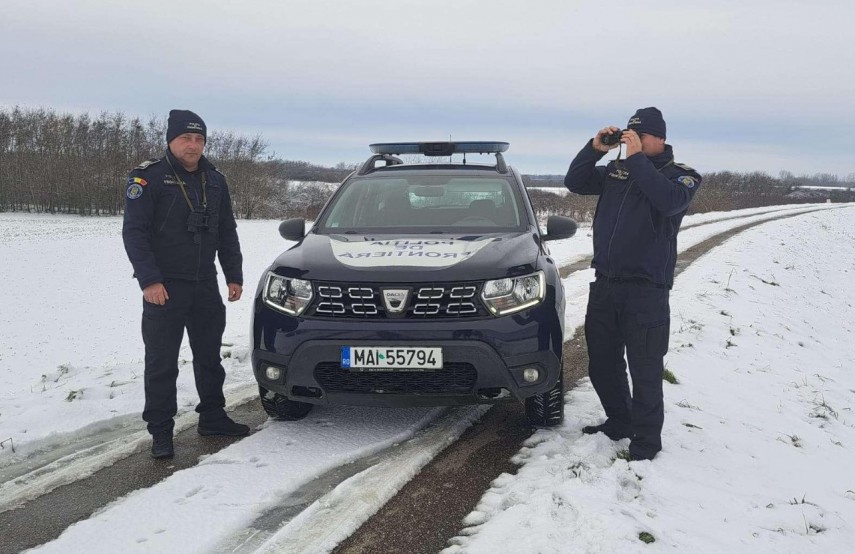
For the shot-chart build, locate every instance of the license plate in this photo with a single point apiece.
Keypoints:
(390, 358)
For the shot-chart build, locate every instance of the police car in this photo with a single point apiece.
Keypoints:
(418, 285)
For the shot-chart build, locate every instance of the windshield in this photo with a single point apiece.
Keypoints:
(425, 204)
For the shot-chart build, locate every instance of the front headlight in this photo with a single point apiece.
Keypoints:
(506, 296)
(291, 296)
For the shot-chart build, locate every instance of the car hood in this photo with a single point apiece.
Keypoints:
(410, 258)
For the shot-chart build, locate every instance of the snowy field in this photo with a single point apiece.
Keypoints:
(759, 437)
(761, 330)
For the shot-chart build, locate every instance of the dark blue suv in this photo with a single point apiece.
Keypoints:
(418, 285)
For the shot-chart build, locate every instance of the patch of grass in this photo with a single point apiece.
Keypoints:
(727, 286)
(646, 537)
(771, 283)
(795, 501)
(74, 395)
(691, 325)
(623, 455)
(577, 469)
(815, 528)
(669, 376)
(823, 410)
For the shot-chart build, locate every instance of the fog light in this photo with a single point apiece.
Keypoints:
(531, 374)
(273, 373)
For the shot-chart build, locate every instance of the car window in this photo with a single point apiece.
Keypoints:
(425, 203)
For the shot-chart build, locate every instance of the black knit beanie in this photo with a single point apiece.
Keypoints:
(647, 120)
(184, 121)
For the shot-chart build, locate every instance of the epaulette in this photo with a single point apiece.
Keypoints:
(147, 163)
(687, 168)
(218, 171)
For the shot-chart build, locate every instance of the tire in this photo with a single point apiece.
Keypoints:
(280, 408)
(547, 408)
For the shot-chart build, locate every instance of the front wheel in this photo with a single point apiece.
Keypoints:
(546, 409)
(279, 407)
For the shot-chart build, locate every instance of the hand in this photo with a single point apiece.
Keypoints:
(598, 142)
(632, 141)
(235, 292)
(156, 294)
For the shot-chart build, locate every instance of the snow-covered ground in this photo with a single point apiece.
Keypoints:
(759, 437)
(71, 364)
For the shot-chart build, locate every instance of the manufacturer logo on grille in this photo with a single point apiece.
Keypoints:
(395, 300)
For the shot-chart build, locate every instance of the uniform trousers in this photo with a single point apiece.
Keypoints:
(198, 307)
(629, 318)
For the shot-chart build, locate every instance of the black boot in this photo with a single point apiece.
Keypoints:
(161, 445)
(221, 425)
(612, 429)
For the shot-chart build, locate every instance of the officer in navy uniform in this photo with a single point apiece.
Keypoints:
(643, 199)
(178, 216)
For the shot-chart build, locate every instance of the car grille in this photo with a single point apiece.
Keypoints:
(453, 378)
(433, 301)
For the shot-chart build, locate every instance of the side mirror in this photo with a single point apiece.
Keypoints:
(559, 227)
(293, 229)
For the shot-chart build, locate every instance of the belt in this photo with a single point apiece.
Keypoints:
(641, 281)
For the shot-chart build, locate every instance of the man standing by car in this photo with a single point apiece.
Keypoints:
(642, 202)
(178, 216)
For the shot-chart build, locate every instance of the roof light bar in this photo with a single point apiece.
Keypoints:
(435, 149)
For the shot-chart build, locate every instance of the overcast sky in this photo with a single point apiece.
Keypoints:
(743, 85)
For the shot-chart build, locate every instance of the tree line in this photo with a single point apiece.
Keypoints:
(78, 164)
(720, 191)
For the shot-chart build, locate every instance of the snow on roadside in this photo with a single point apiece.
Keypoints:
(759, 437)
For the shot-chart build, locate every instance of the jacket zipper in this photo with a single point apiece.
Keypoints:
(199, 259)
(166, 218)
(617, 220)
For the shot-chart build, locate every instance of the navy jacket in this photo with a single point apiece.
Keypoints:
(642, 203)
(155, 231)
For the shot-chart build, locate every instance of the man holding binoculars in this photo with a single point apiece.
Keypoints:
(643, 199)
(178, 217)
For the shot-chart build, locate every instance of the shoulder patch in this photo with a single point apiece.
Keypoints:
(134, 191)
(147, 163)
(688, 181)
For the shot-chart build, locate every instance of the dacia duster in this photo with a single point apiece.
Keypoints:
(417, 285)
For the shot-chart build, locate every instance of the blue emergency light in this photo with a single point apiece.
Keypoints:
(435, 149)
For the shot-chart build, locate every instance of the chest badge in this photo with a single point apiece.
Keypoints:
(395, 300)
(619, 174)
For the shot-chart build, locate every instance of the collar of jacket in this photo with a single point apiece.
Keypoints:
(204, 164)
(663, 159)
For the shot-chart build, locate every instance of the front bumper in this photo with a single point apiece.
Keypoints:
(483, 359)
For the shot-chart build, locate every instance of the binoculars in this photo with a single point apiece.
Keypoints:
(613, 138)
